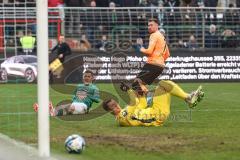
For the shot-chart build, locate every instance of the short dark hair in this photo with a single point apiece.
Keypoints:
(105, 104)
(154, 20)
(89, 71)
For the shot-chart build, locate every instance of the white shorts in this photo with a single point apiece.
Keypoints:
(79, 108)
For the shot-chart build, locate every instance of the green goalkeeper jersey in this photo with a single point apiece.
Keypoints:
(87, 94)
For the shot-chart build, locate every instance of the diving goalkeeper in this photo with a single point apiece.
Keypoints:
(137, 113)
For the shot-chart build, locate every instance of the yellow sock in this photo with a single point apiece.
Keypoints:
(174, 89)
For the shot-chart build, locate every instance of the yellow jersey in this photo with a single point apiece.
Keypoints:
(137, 113)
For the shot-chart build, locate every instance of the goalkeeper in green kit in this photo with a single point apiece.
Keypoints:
(83, 98)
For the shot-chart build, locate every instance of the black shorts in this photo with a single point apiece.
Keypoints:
(149, 73)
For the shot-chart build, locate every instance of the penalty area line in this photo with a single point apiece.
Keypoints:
(12, 149)
(21, 150)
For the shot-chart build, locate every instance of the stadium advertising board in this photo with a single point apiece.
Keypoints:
(184, 66)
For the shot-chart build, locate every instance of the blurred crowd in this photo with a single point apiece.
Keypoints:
(94, 29)
(124, 3)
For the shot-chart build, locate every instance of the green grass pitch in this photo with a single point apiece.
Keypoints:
(210, 131)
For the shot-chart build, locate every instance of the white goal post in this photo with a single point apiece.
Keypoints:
(43, 85)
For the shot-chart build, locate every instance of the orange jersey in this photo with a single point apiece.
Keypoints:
(157, 50)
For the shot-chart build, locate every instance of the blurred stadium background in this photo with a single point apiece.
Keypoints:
(185, 27)
(207, 30)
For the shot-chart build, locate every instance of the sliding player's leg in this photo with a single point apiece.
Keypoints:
(195, 97)
(65, 109)
(51, 108)
(161, 102)
(174, 89)
(61, 110)
(68, 109)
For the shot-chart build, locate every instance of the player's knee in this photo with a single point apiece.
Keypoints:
(166, 84)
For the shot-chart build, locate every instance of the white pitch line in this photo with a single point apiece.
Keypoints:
(11, 149)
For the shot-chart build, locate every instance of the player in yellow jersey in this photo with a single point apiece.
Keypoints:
(157, 52)
(137, 113)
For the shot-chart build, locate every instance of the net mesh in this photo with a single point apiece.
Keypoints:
(99, 27)
(17, 118)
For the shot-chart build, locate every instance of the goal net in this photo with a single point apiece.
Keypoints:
(15, 22)
(120, 27)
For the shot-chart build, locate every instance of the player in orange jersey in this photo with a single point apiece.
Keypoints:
(157, 52)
